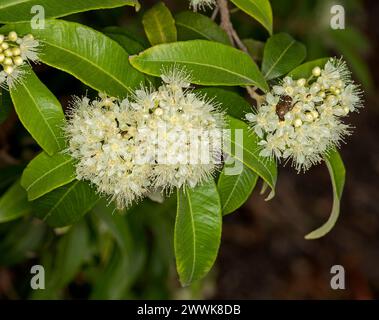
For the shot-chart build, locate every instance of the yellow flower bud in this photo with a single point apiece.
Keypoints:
(2, 57)
(18, 61)
(12, 36)
(8, 69)
(8, 53)
(298, 123)
(1, 38)
(8, 61)
(16, 51)
(4, 46)
(316, 71)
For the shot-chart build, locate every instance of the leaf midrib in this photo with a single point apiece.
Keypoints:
(47, 173)
(194, 236)
(279, 58)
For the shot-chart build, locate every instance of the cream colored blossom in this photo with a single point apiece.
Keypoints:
(202, 4)
(302, 119)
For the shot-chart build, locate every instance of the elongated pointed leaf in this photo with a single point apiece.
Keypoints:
(66, 205)
(40, 112)
(260, 10)
(197, 231)
(88, 55)
(337, 173)
(46, 173)
(234, 190)
(193, 25)
(305, 70)
(159, 25)
(264, 167)
(282, 53)
(209, 63)
(16, 10)
(14, 203)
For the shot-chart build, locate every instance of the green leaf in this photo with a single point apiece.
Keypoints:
(46, 173)
(5, 105)
(281, 54)
(234, 190)
(14, 203)
(260, 10)
(66, 205)
(88, 55)
(197, 231)
(209, 63)
(125, 39)
(235, 105)
(305, 70)
(159, 25)
(193, 25)
(15, 10)
(246, 150)
(337, 173)
(39, 111)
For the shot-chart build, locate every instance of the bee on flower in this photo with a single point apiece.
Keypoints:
(302, 119)
(15, 52)
(154, 140)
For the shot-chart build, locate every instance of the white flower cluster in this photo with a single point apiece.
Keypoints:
(202, 4)
(302, 119)
(15, 51)
(157, 140)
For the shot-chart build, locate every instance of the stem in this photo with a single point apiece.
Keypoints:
(235, 40)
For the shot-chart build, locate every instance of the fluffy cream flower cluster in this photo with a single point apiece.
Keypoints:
(15, 51)
(202, 4)
(157, 140)
(302, 119)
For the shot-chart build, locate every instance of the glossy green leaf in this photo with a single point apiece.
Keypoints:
(337, 173)
(16, 10)
(159, 25)
(305, 70)
(260, 10)
(197, 231)
(282, 53)
(46, 173)
(88, 55)
(130, 44)
(234, 189)
(246, 150)
(66, 205)
(40, 112)
(193, 25)
(229, 101)
(209, 63)
(14, 203)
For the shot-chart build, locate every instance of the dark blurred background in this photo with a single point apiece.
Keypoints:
(263, 252)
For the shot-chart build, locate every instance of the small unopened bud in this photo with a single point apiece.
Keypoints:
(18, 61)
(4, 46)
(1, 38)
(8, 53)
(158, 112)
(298, 123)
(301, 82)
(12, 36)
(316, 71)
(8, 61)
(346, 110)
(16, 51)
(314, 114)
(8, 69)
(2, 57)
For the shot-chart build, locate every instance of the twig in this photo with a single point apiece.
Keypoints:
(235, 40)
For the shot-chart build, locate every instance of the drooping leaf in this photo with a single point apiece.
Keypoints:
(337, 173)
(130, 44)
(282, 53)
(193, 25)
(244, 148)
(159, 25)
(66, 205)
(88, 55)
(15, 11)
(235, 189)
(305, 70)
(231, 102)
(197, 231)
(46, 173)
(14, 203)
(39, 111)
(209, 63)
(260, 10)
